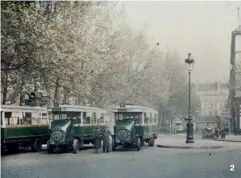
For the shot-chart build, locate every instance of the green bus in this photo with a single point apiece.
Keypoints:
(74, 125)
(25, 126)
(134, 125)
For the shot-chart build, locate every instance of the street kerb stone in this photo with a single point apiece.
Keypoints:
(189, 147)
(224, 140)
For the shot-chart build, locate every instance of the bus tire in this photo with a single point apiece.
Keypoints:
(13, 148)
(36, 146)
(50, 148)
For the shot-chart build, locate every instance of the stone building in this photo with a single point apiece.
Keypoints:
(213, 98)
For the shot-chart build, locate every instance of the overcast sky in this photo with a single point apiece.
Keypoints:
(202, 28)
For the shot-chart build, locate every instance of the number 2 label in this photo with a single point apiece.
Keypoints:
(232, 167)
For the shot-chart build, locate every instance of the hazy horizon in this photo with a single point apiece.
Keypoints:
(202, 28)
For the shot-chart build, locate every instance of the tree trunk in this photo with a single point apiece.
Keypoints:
(35, 89)
(5, 86)
(56, 91)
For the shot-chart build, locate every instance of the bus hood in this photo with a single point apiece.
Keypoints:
(64, 125)
(128, 124)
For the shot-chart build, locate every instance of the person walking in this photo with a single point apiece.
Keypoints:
(106, 141)
(98, 139)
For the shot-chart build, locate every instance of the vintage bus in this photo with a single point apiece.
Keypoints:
(73, 126)
(134, 125)
(25, 126)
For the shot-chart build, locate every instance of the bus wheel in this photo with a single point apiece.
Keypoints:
(13, 148)
(50, 148)
(37, 146)
(151, 142)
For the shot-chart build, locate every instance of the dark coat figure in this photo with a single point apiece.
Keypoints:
(106, 141)
(98, 138)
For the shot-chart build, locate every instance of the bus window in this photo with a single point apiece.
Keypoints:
(102, 118)
(43, 119)
(121, 117)
(146, 120)
(84, 118)
(7, 116)
(98, 121)
(87, 120)
(78, 121)
(27, 118)
(56, 116)
(150, 119)
(155, 119)
(93, 119)
(138, 119)
(73, 116)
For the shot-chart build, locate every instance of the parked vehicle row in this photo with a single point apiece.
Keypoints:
(71, 126)
(23, 126)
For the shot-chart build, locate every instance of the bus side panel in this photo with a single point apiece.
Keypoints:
(79, 131)
(139, 130)
(27, 133)
(147, 131)
(89, 133)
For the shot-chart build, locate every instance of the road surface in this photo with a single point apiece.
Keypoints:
(150, 162)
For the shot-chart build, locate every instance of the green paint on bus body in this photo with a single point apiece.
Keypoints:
(24, 133)
(86, 130)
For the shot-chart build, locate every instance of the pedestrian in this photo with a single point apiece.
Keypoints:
(98, 139)
(106, 141)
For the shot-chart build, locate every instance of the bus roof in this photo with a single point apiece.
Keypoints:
(16, 108)
(133, 108)
(75, 108)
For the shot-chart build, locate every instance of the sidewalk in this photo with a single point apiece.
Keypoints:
(178, 141)
(231, 138)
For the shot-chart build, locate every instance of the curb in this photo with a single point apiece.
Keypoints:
(189, 147)
(229, 140)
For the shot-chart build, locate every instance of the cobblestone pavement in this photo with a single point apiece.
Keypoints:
(149, 162)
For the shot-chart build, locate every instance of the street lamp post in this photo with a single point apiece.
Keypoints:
(189, 63)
